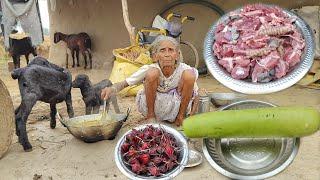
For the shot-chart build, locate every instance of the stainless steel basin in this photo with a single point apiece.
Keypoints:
(250, 158)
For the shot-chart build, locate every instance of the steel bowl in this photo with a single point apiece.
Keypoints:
(90, 128)
(250, 158)
(183, 159)
(194, 159)
(247, 87)
(222, 99)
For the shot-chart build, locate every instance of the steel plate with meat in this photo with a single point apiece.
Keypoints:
(259, 49)
(260, 43)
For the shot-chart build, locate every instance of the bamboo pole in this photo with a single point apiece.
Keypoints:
(130, 28)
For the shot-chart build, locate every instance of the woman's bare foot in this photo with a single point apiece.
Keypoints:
(150, 119)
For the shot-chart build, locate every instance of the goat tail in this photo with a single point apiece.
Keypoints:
(15, 74)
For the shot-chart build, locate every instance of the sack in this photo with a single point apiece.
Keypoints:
(128, 60)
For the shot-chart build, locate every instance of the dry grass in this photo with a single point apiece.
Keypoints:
(43, 49)
(3, 54)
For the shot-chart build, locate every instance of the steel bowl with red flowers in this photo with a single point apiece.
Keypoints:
(151, 151)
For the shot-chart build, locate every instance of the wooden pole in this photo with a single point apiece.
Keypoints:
(130, 28)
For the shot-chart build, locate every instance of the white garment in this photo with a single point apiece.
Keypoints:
(29, 17)
(168, 99)
(166, 105)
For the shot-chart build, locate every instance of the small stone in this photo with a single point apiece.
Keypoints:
(37, 176)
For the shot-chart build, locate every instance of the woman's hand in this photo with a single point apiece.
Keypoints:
(106, 93)
(114, 89)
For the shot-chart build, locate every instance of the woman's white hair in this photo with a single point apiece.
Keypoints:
(156, 44)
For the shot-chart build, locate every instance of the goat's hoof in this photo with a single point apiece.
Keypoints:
(112, 138)
(28, 150)
(85, 67)
(27, 147)
(52, 125)
(78, 65)
(73, 66)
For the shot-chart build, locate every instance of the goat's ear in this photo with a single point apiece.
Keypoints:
(55, 37)
(15, 74)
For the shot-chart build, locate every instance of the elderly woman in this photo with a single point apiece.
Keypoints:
(170, 90)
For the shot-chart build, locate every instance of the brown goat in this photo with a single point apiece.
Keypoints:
(76, 42)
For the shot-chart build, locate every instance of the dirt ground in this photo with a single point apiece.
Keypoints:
(58, 155)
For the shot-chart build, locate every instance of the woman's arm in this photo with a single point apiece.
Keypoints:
(114, 89)
(134, 79)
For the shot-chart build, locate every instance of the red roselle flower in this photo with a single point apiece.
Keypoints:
(169, 151)
(148, 134)
(153, 151)
(136, 168)
(131, 152)
(170, 165)
(125, 147)
(144, 159)
(144, 146)
(157, 160)
(154, 171)
(133, 161)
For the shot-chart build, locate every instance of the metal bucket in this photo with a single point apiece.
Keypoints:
(250, 158)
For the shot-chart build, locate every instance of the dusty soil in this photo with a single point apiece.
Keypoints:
(58, 155)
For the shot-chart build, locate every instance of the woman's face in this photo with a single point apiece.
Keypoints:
(167, 54)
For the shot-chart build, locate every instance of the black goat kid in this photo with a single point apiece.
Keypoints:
(40, 81)
(20, 47)
(91, 94)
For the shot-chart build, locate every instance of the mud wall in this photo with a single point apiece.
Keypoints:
(103, 21)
